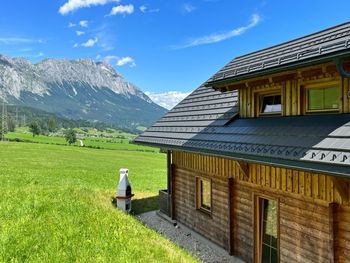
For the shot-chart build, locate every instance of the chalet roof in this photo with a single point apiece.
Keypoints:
(208, 122)
(320, 46)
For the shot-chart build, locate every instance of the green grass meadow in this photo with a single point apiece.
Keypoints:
(55, 205)
(90, 142)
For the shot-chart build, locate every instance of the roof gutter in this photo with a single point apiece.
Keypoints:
(337, 57)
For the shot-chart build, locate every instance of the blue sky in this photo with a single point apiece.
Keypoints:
(167, 48)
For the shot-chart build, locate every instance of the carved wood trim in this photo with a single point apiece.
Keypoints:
(342, 188)
(244, 167)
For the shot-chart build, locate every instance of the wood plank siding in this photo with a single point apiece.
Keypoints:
(342, 230)
(214, 226)
(291, 86)
(314, 220)
(311, 186)
(243, 225)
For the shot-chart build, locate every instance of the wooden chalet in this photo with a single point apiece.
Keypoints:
(259, 155)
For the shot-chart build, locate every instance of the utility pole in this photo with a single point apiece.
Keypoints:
(4, 126)
(24, 120)
(17, 124)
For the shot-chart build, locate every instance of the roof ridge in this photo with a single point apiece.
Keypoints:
(326, 44)
(296, 39)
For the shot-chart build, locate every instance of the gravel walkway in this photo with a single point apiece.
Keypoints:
(198, 246)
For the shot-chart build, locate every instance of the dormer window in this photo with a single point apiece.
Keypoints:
(270, 104)
(321, 99)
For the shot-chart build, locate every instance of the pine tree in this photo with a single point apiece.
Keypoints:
(34, 127)
(51, 124)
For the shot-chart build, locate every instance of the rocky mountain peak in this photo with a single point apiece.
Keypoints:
(82, 80)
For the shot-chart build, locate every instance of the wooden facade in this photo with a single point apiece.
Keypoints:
(314, 216)
(292, 85)
(263, 200)
(313, 208)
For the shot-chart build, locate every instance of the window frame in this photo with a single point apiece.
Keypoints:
(198, 192)
(259, 99)
(306, 89)
(258, 225)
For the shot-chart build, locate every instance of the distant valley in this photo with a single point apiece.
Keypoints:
(78, 90)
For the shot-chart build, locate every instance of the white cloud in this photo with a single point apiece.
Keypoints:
(145, 9)
(188, 8)
(126, 60)
(120, 61)
(70, 25)
(76, 45)
(167, 99)
(73, 5)
(19, 40)
(109, 59)
(79, 33)
(122, 9)
(90, 43)
(84, 23)
(218, 37)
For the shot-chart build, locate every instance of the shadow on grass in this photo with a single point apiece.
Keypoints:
(143, 204)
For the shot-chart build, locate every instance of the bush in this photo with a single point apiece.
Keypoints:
(71, 136)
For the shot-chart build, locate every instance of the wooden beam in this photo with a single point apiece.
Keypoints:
(282, 78)
(235, 86)
(244, 167)
(231, 233)
(342, 188)
(259, 82)
(172, 195)
(312, 72)
(169, 171)
(332, 230)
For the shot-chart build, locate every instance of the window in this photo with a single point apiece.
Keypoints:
(203, 191)
(267, 230)
(322, 99)
(270, 104)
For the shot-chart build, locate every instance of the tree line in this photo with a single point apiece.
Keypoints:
(23, 116)
(37, 127)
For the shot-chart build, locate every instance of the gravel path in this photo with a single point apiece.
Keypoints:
(184, 237)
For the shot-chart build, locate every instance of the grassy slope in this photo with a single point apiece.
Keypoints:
(56, 205)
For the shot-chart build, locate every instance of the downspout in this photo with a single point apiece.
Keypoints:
(339, 62)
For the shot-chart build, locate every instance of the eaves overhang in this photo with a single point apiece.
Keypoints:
(315, 167)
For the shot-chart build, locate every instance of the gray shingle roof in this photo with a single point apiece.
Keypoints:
(321, 45)
(207, 122)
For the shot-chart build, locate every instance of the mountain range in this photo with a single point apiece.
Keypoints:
(76, 89)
